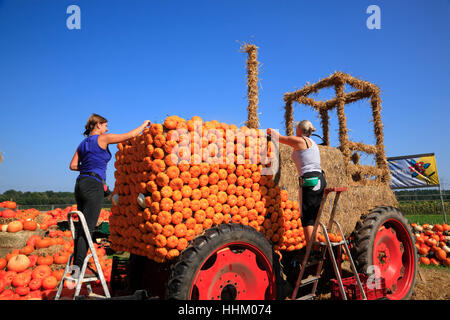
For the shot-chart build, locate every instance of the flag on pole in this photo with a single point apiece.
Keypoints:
(413, 171)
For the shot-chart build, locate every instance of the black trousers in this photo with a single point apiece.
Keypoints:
(311, 199)
(89, 195)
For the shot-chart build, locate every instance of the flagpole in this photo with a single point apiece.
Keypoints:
(442, 202)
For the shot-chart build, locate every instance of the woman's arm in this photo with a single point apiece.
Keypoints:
(293, 141)
(111, 138)
(74, 164)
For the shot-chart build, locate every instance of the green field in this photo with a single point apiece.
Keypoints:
(425, 218)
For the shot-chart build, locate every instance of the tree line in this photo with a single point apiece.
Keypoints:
(40, 198)
(421, 194)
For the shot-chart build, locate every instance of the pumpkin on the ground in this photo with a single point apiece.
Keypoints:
(15, 226)
(18, 263)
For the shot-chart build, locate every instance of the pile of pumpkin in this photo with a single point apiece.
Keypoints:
(433, 243)
(175, 169)
(18, 220)
(34, 272)
(8, 205)
(21, 224)
(60, 214)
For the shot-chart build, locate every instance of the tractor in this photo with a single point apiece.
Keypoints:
(234, 261)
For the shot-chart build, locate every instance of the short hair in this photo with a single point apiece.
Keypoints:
(306, 126)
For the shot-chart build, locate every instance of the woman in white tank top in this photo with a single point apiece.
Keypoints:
(306, 156)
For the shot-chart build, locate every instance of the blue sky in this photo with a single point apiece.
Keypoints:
(136, 60)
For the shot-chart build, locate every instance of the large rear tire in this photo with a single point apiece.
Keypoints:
(384, 241)
(227, 262)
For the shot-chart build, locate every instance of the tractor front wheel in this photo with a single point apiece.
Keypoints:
(227, 262)
(384, 243)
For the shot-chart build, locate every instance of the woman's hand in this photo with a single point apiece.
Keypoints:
(272, 133)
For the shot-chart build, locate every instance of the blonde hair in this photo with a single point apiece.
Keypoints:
(306, 126)
(92, 122)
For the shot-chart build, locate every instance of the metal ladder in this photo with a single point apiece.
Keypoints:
(323, 246)
(81, 279)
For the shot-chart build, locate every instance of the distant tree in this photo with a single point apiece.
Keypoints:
(41, 198)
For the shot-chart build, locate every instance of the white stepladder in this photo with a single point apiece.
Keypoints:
(81, 279)
(324, 247)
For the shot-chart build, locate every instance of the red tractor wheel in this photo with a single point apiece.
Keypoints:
(384, 242)
(228, 262)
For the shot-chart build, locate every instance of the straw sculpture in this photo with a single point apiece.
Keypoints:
(252, 84)
(368, 175)
(367, 186)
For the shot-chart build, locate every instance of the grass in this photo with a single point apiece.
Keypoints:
(426, 218)
(433, 267)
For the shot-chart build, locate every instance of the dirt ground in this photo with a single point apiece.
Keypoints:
(431, 284)
(435, 285)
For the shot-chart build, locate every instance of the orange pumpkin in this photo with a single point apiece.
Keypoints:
(447, 262)
(27, 250)
(49, 282)
(45, 260)
(30, 225)
(2, 263)
(15, 226)
(18, 263)
(42, 243)
(59, 258)
(440, 254)
(434, 261)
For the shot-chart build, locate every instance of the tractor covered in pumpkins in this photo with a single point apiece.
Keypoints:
(207, 231)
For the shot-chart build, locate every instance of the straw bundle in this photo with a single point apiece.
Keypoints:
(252, 84)
(17, 240)
(354, 202)
(360, 175)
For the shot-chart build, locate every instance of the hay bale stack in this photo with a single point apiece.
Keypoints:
(332, 163)
(358, 200)
(354, 202)
(17, 240)
(287, 176)
(49, 251)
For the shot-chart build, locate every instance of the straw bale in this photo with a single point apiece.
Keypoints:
(362, 147)
(17, 240)
(357, 200)
(289, 118)
(48, 251)
(252, 84)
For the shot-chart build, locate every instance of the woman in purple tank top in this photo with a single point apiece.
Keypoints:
(306, 157)
(91, 158)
